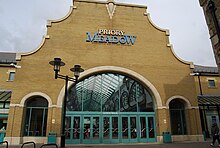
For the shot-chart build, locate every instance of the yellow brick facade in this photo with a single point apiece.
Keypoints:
(150, 60)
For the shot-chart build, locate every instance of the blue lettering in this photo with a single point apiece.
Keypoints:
(130, 39)
(102, 39)
(123, 40)
(111, 39)
(108, 39)
(96, 38)
(90, 38)
(115, 39)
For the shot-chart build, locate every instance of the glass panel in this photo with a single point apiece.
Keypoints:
(125, 127)
(114, 127)
(27, 120)
(133, 97)
(133, 127)
(11, 76)
(2, 104)
(176, 104)
(143, 127)
(214, 119)
(76, 128)
(175, 122)
(96, 127)
(183, 122)
(87, 127)
(45, 121)
(106, 128)
(37, 102)
(67, 127)
(151, 127)
(109, 92)
(36, 117)
(211, 83)
(7, 104)
(177, 115)
(145, 101)
(35, 128)
(3, 123)
(74, 102)
(124, 101)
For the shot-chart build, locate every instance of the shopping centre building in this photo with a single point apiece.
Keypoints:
(133, 90)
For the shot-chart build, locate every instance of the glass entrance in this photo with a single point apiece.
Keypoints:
(108, 129)
(110, 108)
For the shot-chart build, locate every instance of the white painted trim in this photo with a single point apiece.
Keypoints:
(49, 22)
(155, 26)
(188, 104)
(178, 58)
(167, 32)
(162, 107)
(142, 79)
(22, 103)
(16, 105)
(20, 54)
(116, 3)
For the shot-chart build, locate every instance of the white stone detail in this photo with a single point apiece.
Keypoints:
(111, 8)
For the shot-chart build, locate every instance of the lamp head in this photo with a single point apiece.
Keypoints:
(57, 63)
(77, 70)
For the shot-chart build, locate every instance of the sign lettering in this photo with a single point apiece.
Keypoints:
(111, 36)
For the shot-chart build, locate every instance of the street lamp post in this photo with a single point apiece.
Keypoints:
(200, 85)
(57, 63)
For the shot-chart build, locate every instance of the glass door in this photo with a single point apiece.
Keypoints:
(110, 129)
(114, 126)
(95, 130)
(106, 129)
(72, 129)
(143, 128)
(151, 132)
(133, 129)
(147, 131)
(86, 126)
(125, 122)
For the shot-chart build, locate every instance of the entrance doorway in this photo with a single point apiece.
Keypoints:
(110, 108)
(109, 128)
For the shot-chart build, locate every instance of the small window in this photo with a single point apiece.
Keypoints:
(211, 83)
(11, 76)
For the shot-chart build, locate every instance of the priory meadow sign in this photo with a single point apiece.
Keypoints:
(111, 36)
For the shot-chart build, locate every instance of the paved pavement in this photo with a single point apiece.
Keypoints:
(205, 144)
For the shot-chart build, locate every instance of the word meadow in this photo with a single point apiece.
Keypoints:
(111, 36)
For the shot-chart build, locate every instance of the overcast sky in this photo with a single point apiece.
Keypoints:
(23, 24)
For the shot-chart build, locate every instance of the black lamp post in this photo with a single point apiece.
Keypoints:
(57, 63)
(200, 85)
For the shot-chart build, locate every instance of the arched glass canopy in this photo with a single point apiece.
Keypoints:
(109, 92)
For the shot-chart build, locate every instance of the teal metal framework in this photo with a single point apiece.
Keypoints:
(96, 128)
(109, 108)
